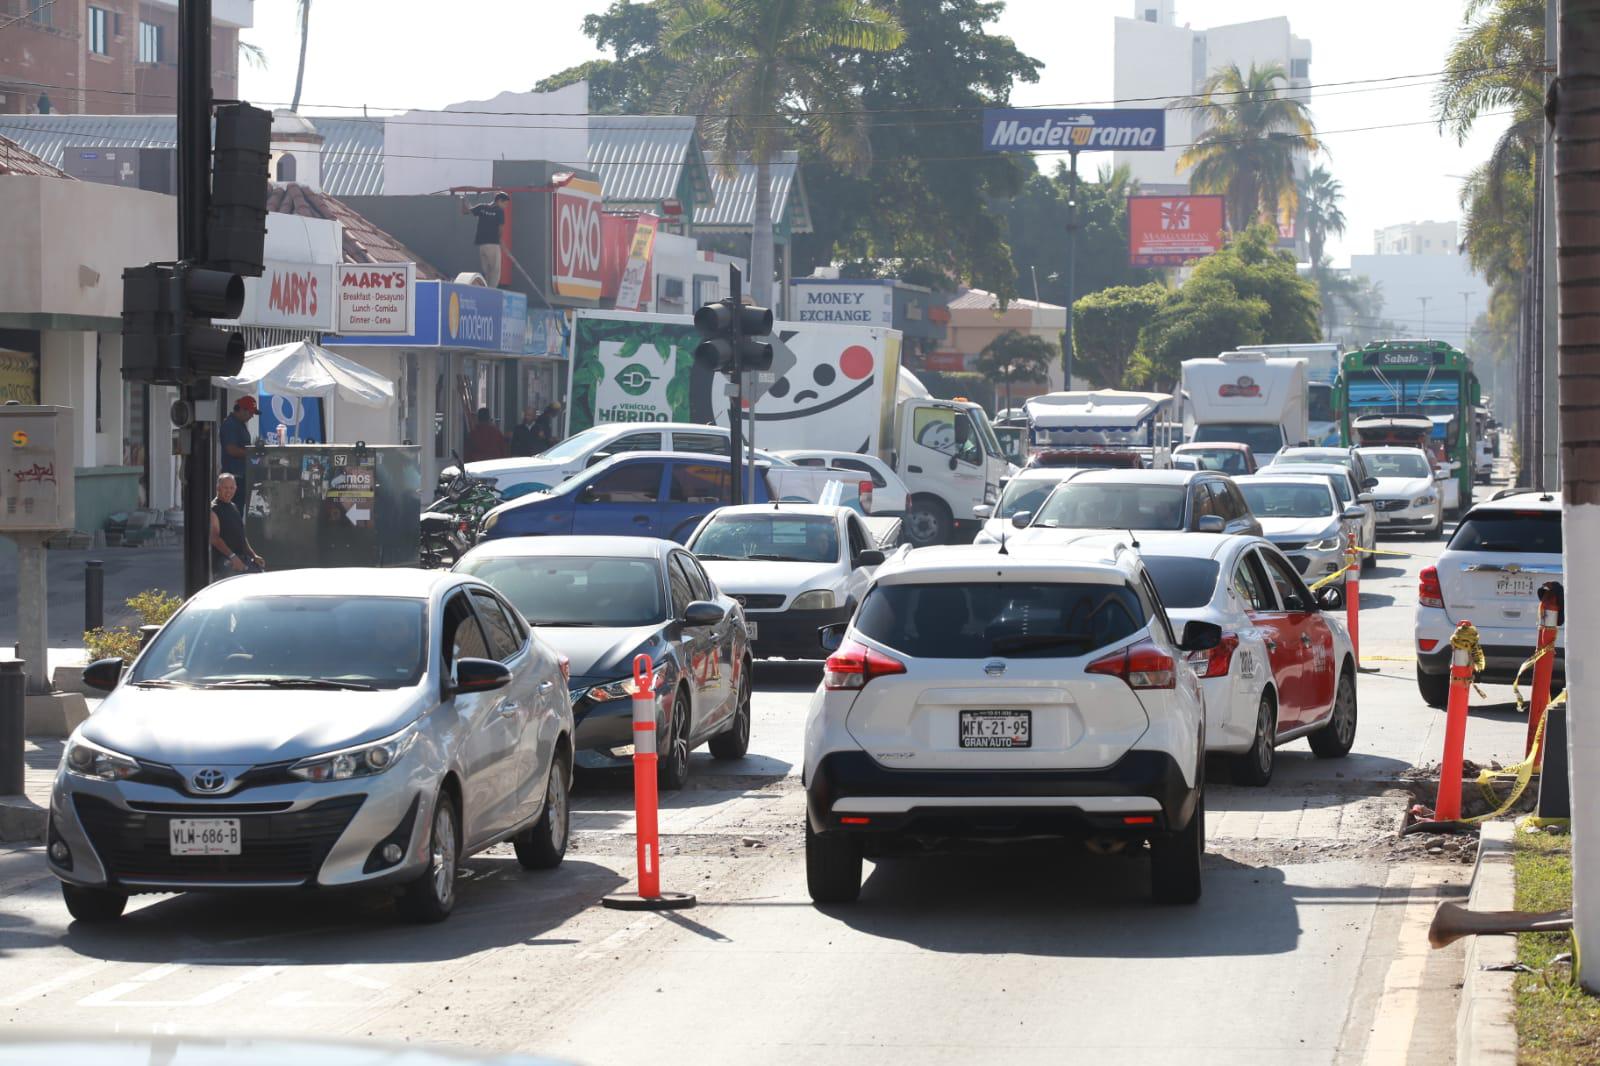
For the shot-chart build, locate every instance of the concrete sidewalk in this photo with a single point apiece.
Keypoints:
(128, 571)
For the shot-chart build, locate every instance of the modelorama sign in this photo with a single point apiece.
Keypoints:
(1012, 129)
(1171, 230)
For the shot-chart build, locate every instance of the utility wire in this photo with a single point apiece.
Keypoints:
(14, 19)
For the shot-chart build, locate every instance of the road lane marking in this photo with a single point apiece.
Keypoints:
(16, 999)
(1396, 1017)
(260, 969)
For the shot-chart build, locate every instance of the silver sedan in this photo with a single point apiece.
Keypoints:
(317, 728)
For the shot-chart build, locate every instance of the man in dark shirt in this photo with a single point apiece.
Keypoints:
(525, 434)
(485, 441)
(234, 436)
(234, 554)
(491, 217)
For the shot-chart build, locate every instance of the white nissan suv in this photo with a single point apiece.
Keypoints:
(981, 694)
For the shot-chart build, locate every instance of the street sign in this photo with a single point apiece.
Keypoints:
(1026, 129)
(1171, 230)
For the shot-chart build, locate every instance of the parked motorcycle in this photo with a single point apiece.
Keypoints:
(451, 523)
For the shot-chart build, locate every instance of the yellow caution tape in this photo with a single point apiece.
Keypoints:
(1380, 551)
(1328, 580)
(1465, 638)
(1522, 772)
(1516, 686)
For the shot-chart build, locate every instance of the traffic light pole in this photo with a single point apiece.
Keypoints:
(194, 176)
(736, 401)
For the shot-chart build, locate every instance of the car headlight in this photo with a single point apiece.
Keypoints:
(91, 760)
(815, 600)
(1326, 544)
(1424, 501)
(490, 520)
(364, 760)
(621, 689)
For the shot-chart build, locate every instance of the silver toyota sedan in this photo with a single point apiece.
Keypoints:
(317, 728)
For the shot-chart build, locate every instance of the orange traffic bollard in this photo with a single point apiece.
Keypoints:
(1463, 655)
(647, 844)
(1551, 605)
(1352, 596)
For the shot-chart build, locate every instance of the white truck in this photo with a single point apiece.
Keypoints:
(830, 387)
(1252, 399)
(1322, 370)
(1107, 419)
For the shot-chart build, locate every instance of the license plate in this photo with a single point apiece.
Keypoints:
(1514, 585)
(751, 628)
(997, 729)
(204, 836)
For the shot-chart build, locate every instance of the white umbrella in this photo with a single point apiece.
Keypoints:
(304, 369)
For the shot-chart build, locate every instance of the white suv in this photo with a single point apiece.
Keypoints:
(983, 694)
(1489, 574)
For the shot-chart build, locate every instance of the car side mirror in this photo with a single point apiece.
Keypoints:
(831, 636)
(588, 495)
(703, 613)
(1353, 513)
(1200, 636)
(1022, 519)
(1330, 597)
(1441, 475)
(597, 457)
(1211, 523)
(479, 675)
(1365, 497)
(1370, 483)
(869, 557)
(952, 462)
(103, 675)
(983, 510)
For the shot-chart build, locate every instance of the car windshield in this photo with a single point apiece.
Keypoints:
(1397, 464)
(1524, 532)
(1182, 580)
(554, 590)
(575, 446)
(1024, 494)
(314, 641)
(1257, 436)
(1015, 619)
(1109, 505)
(770, 535)
(1226, 460)
(1267, 500)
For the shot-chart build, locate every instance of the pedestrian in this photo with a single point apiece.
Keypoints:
(234, 553)
(525, 436)
(491, 216)
(550, 424)
(234, 436)
(485, 441)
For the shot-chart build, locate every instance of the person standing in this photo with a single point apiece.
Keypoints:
(234, 437)
(485, 441)
(234, 553)
(525, 438)
(550, 425)
(491, 217)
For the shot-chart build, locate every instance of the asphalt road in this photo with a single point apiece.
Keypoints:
(1308, 947)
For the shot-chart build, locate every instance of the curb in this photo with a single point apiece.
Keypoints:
(22, 821)
(1486, 1029)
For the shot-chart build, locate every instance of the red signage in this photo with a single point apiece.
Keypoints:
(576, 242)
(1171, 230)
(1245, 387)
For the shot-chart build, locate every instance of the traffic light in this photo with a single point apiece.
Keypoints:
(730, 329)
(236, 219)
(167, 338)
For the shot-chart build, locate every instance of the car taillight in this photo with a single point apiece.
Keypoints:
(1429, 591)
(853, 665)
(1141, 666)
(1219, 660)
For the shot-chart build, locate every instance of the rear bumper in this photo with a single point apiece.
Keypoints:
(957, 803)
(1501, 662)
(793, 634)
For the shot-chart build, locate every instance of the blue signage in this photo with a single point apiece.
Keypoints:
(458, 316)
(1012, 129)
(547, 334)
(513, 322)
(301, 417)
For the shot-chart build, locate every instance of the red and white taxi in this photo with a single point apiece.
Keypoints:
(1284, 668)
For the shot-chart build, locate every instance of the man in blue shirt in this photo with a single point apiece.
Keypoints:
(234, 437)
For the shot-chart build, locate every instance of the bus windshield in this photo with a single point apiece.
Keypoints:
(1408, 391)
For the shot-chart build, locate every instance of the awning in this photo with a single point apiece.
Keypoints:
(305, 369)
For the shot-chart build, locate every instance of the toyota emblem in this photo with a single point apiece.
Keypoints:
(994, 668)
(209, 780)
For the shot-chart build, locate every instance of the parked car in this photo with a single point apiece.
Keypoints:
(793, 568)
(317, 729)
(1235, 460)
(889, 493)
(1024, 492)
(1349, 458)
(1490, 573)
(604, 600)
(1408, 495)
(1153, 500)
(983, 695)
(1350, 495)
(653, 494)
(1283, 668)
(522, 474)
(1302, 516)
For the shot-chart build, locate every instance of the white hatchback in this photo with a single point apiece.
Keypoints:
(983, 694)
(1023, 492)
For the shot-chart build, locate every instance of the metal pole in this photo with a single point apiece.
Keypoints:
(194, 174)
(94, 595)
(1072, 269)
(13, 697)
(1424, 301)
(736, 401)
(750, 442)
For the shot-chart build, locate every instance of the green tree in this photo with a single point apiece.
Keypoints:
(1251, 136)
(1014, 356)
(756, 69)
(1320, 196)
(635, 79)
(1106, 326)
(1036, 228)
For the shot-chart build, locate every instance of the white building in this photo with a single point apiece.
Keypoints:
(1416, 238)
(1433, 295)
(1158, 62)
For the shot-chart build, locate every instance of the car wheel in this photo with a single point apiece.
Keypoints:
(833, 867)
(1435, 689)
(1175, 860)
(674, 768)
(1334, 740)
(733, 742)
(544, 845)
(1254, 767)
(432, 896)
(927, 522)
(87, 904)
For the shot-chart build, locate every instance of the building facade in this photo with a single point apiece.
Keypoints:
(1416, 238)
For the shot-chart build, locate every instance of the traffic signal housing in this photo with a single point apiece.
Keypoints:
(730, 330)
(167, 336)
(236, 215)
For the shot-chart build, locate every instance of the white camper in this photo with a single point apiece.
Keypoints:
(1248, 398)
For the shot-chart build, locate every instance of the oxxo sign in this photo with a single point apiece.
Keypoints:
(575, 242)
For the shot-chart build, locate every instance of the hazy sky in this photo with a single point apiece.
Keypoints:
(394, 54)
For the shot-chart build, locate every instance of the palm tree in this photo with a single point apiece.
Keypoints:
(300, 71)
(766, 69)
(1252, 135)
(1015, 356)
(1320, 194)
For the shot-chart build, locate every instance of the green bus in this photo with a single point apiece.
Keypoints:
(1416, 379)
